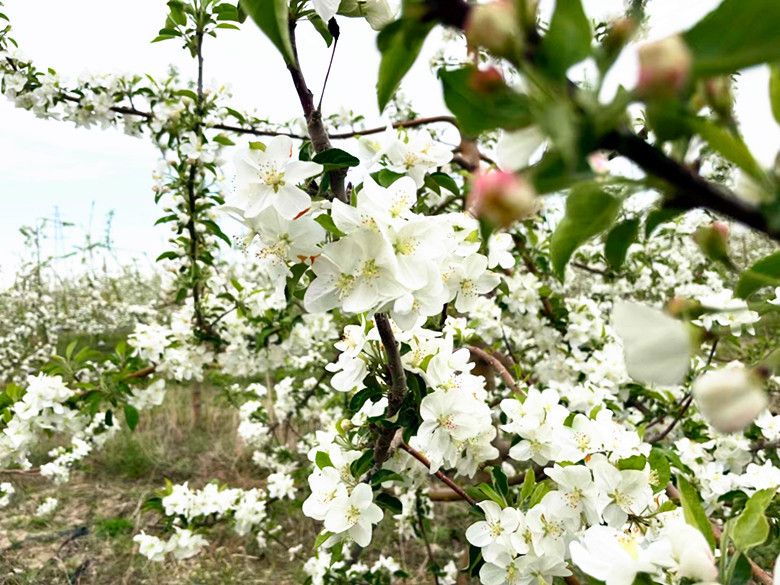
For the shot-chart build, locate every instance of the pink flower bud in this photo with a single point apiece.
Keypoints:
(494, 26)
(664, 68)
(501, 198)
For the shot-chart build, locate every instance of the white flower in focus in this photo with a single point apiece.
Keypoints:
(270, 178)
(416, 156)
(327, 487)
(730, 398)
(46, 507)
(355, 514)
(472, 278)
(493, 533)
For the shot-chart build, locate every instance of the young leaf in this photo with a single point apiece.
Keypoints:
(751, 528)
(399, 43)
(272, 18)
(568, 40)
(736, 35)
(322, 459)
(483, 106)
(589, 211)
(693, 511)
(765, 272)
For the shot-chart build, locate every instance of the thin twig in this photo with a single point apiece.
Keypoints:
(506, 376)
(439, 474)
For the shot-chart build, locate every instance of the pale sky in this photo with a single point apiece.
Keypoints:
(48, 165)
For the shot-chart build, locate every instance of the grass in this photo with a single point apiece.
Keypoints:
(88, 540)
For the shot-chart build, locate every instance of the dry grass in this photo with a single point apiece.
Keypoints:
(89, 539)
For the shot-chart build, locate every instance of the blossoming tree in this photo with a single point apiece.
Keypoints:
(545, 324)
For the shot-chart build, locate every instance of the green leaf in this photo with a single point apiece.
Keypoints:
(751, 527)
(320, 540)
(272, 18)
(736, 35)
(322, 459)
(169, 255)
(131, 416)
(730, 146)
(177, 14)
(589, 211)
(445, 182)
(618, 241)
(335, 158)
(765, 272)
(636, 462)
(742, 573)
(491, 493)
(326, 221)
(659, 463)
(384, 475)
(659, 216)
(693, 511)
(399, 43)
(361, 465)
(223, 140)
(500, 481)
(389, 503)
(568, 39)
(321, 27)
(478, 108)
(774, 90)
(529, 481)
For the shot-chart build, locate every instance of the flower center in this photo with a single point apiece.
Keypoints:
(272, 177)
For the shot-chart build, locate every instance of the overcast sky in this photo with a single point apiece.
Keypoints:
(48, 167)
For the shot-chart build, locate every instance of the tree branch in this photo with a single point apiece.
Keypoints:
(439, 474)
(691, 190)
(395, 396)
(319, 136)
(496, 364)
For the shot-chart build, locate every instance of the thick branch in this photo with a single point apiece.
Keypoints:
(691, 190)
(395, 396)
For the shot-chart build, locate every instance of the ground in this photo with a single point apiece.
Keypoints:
(88, 541)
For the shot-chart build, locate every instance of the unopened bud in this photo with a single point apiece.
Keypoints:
(681, 306)
(713, 240)
(494, 26)
(486, 80)
(730, 398)
(717, 94)
(619, 33)
(664, 68)
(501, 198)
